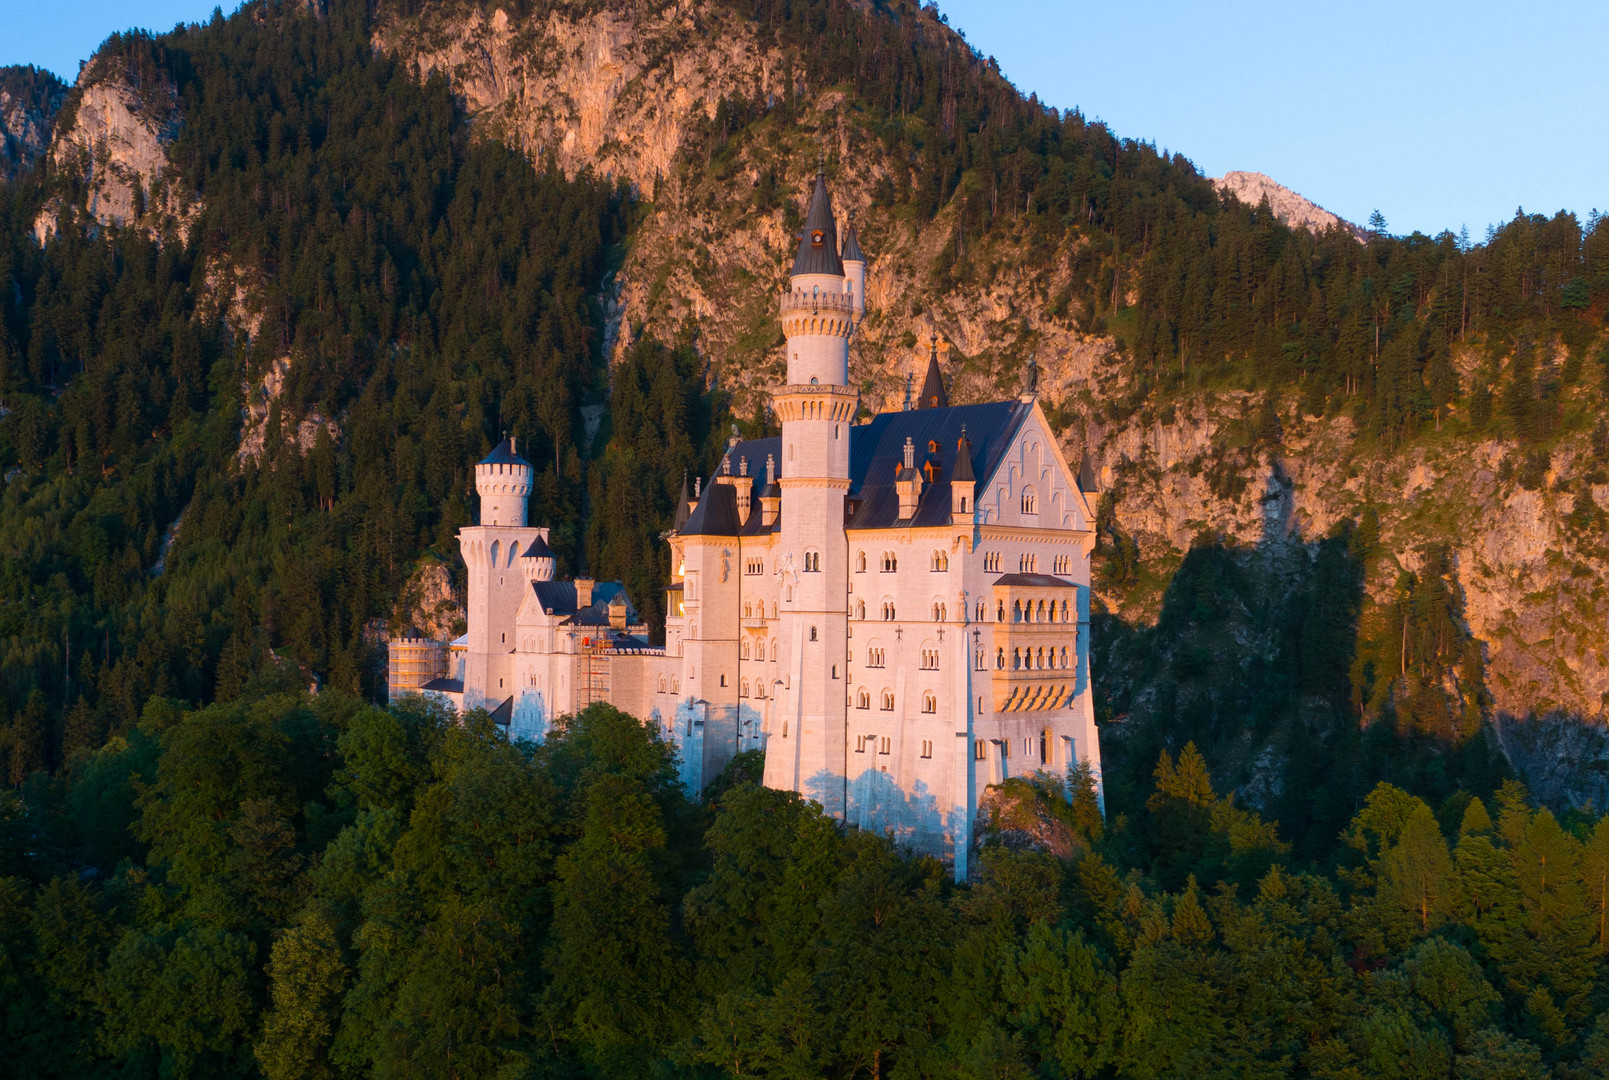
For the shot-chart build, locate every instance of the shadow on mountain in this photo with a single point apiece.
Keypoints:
(1301, 693)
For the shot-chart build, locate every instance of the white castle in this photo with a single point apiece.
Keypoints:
(896, 612)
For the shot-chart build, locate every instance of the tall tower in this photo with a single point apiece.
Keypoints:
(497, 580)
(808, 743)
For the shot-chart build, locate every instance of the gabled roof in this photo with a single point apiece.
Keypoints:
(503, 454)
(877, 453)
(559, 598)
(818, 243)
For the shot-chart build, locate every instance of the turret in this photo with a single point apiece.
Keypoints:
(538, 562)
(770, 495)
(855, 272)
(503, 481)
(962, 483)
(934, 395)
(818, 313)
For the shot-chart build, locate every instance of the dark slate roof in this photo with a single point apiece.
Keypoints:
(877, 453)
(681, 505)
(1086, 476)
(445, 686)
(934, 395)
(716, 513)
(852, 251)
(1037, 581)
(818, 243)
(503, 454)
(558, 598)
(503, 713)
(963, 464)
(539, 549)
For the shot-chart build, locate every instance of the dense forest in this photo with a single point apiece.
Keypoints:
(313, 887)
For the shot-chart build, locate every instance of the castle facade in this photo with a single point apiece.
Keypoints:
(895, 611)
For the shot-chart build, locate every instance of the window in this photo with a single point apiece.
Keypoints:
(676, 685)
(1000, 612)
(888, 701)
(883, 745)
(930, 704)
(930, 659)
(860, 744)
(991, 562)
(1039, 658)
(860, 609)
(773, 649)
(1027, 564)
(661, 683)
(759, 650)
(888, 611)
(940, 611)
(1016, 611)
(743, 688)
(1000, 659)
(977, 661)
(1064, 564)
(1041, 617)
(927, 748)
(723, 680)
(890, 562)
(759, 688)
(863, 700)
(813, 634)
(1030, 505)
(784, 729)
(1016, 659)
(980, 751)
(874, 657)
(743, 650)
(1064, 656)
(981, 609)
(1053, 611)
(941, 562)
(754, 567)
(860, 563)
(1064, 611)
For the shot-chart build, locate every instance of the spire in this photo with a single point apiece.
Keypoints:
(818, 244)
(933, 395)
(963, 460)
(852, 251)
(682, 504)
(907, 391)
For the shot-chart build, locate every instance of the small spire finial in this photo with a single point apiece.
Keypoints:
(770, 469)
(743, 466)
(1033, 373)
(907, 391)
(910, 453)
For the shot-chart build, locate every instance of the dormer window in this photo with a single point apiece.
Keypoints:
(816, 236)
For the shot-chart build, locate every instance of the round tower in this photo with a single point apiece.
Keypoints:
(855, 272)
(503, 481)
(818, 310)
(538, 563)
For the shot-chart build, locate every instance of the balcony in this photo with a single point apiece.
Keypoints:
(817, 302)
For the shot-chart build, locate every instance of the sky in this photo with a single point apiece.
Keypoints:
(1438, 114)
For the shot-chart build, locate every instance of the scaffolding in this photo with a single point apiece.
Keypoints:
(413, 661)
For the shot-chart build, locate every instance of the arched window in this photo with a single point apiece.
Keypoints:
(979, 617)
(812, 562)
(743, 688)
(1064, 656)
(888, 701)
(773, 648)
(874, 656)
(1000, 658)
(930, 659)
(1039, 659)
(1053, 611)
(743, 650)
(890, 562)
(888, 611)
(860, 563)
(513, 552)
(813, 636)
(676, 685)
(748, 609)
(662, 684)
(1041, 617)
(1064, 611)
(941, 562)
(759, 650)
(930, 704)
(1000, 612)
(1030, 505)
(1016, 659)
(1016, 611)
(497, 551)
(860, 609)
(863, 700)
(759, 688)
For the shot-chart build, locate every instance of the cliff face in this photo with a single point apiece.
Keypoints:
(29, 101)
(637, 93)
(1294, 210)
(113, 146)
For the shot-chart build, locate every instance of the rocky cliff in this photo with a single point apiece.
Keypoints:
(1294, 210)
(634, 92)
(29, 100)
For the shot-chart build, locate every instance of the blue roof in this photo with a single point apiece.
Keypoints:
(503, 454)
(876, 454)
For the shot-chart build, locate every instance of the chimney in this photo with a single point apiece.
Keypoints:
(583, 593)
(770, 495)
(908, 483)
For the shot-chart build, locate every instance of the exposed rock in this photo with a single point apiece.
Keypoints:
(260, 403)
(116, 144)
(1295, 210)
(29, 100)
(430, 602)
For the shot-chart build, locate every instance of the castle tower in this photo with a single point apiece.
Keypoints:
(497, 579)
(819, 311)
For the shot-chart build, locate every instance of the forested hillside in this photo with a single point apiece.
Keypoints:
(284, 276)
(296, 888)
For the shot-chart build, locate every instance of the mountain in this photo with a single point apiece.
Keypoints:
(1294, 210)
(29, 100)
(1354, 490)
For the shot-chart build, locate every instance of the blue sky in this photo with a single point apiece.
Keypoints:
(1439, 114)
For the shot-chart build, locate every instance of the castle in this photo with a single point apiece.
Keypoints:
(895, 611)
